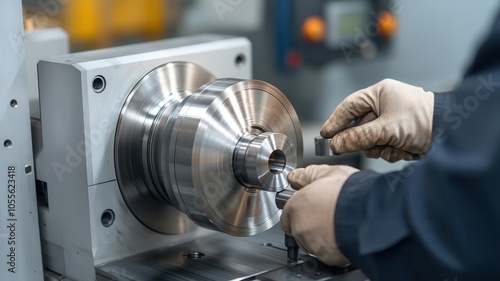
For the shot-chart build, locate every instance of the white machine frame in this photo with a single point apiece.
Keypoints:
(75, 163)
(20, 256)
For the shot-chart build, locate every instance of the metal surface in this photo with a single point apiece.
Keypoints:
(212, 154)
(263, 161)
(148, 105)
(282, 197)
(322, 147)
(207, 132)
(261, 257)
(292, 248)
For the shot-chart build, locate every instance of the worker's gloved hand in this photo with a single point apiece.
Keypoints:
(393, 121)
(308, 215)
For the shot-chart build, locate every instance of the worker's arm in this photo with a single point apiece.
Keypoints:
(437, 219)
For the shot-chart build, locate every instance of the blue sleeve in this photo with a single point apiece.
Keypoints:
(437, 219)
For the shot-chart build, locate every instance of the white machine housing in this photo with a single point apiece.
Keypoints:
(74, 144)
(20, 255)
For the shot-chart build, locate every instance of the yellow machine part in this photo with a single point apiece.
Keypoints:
(99, 23)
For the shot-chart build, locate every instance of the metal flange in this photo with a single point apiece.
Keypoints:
(217, 154)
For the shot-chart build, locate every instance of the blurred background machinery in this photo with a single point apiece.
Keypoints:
(316, 52)
(93, 24)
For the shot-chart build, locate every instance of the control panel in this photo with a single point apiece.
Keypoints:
(316, 32)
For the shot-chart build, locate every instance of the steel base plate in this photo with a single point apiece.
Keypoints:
(220, 256)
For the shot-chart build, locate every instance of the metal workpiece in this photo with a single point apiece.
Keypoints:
(322, 147)
(282, 197)
(148, 105)
(292, 248)
(263, 161)
(217, 154)
(207, 131)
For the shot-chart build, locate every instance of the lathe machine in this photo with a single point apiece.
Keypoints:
(139, 145)
(155, 161)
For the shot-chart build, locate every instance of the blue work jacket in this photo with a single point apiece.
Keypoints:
(439, 218)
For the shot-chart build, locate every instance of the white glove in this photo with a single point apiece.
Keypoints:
(394, 121)
(309, 214)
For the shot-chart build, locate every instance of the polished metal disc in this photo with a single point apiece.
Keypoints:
(155, 96)
(214, 150)
(209, 128)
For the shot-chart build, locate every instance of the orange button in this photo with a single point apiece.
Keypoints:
(314, 29)
(387, 24)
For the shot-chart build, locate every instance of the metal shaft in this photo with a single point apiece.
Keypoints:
(322, 147)
(292, 248)
(282, 197)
